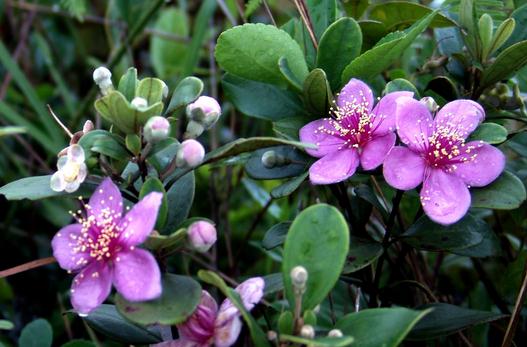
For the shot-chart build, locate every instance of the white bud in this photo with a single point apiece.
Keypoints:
(88, 126)
(272, 335)
(269, 159)
(430, 103)
(335, 333)
(139, 103)
(307, 331)
(299, 277)
(103, 78)
(190, 154)
(156, 129)
(202, 235)
(165, 90)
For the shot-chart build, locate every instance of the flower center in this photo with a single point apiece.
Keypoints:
(70, 171)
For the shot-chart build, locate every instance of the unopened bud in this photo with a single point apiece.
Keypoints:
(202, 235)
(139, 103)
(335, 333)
(156, 129)
(165, 90)
(269, 159)
(299, 277)
(194, 129)
(316, 310)
(307, 331)
(190, 154)
(88, 126)
(103, 78)
(272, 335)
(430, 103)
(205, 110)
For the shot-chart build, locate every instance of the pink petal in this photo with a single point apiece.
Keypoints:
(228, 329)
(355, 92)
(106, 197)
(488, 164)
(384, 111)
(199, 327)
(334, 167)
(65, 249)
(178, 343)
(375, 151)
(445, 197)
(403, 169)
(251, 291)
(91, 287)
(462, 115)
(140, 221)
(311, 133)
(414, 123)
(137, 276)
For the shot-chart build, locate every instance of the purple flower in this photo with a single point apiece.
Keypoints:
(221, 327)
(101, 247)
(438, 156)
(358, 133)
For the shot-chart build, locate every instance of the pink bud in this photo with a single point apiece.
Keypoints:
(205, 110)
(156, 129)
(190, 154)
(202, 235)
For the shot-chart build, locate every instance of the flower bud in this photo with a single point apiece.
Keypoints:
(202, 235)
(335, 333)
(307, 331)
(103, 78)
(272, 335)
(430, 103)
(299, 277)
(205, 110)
(165, 90)
(190, 154)
(269, 159)
(251, 291)
(156, 129)
(88, 126)
(139, 103)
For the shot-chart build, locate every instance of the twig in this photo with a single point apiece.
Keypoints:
(269, 13)
(513, 322)
(27, 266)
(66, 130)
(226, 12)
(304, 14)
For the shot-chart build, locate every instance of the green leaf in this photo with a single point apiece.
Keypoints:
(289, 128)
(362, 252)
(289, 187)
(427, 235)
(400, 84)
(317, 93)
(252, 51)
(318, 240)
(180, 197)
(446, 319)
(283, 65)
(261, 100)
(259, 338)
(339, 45)
(187, 91)
(36, 188)
(78, 343)
(5, 131)
(99, 136)
(296, 162)
(151, 89)
(106, 320)
(251, 6)
(128, 84)
(355, 8)
(153, 184)
(520, 31)
(133, 143)
(502, 34)
(489, 132)
(319, 341)
(167, 55)
(507, 192)
(276, 235)
(6, 325)
(507, 63)
(286, 323)
(77, 8)
(444, 87)
(110, 146)
(397, 15)
(322, 13)
(179, 299)
(38, 333)
(384, 54)
(376, 327)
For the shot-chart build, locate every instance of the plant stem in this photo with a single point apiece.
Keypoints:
(304, 14)
(27, 266)
(511, 328)
(489, 286)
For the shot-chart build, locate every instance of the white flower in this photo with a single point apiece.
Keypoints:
(71, 170)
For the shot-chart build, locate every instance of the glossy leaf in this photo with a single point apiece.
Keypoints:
(78, 343)
(289, 187)
(293, 81)
(276, 235)
(36, 188)
(252, 51)
(507, 192)
(355, 8)
(38, 333)
(400, 84)
(362, 253)
(150, 89)
(319, 341)
(128, 84)
(490, 132)
(296, 162)
(180, 197)
(376, 327)
(322, 13)
(187, 91)
(180, 297)
(317, 93)
(339, 45)
(153, 184)
(318, 240)
(507, 63)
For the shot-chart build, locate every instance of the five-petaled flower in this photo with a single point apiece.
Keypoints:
(357, 133)
(221, 327)
(101, 247)
(71, 170)
(438, 156)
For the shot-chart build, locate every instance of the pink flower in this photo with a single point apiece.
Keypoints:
(101, 247)
(358, 133)
(221, 327)
(202, 235)
(438, 156)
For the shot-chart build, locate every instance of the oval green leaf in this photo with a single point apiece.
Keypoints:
(490, 132)
(38, 333)
(507, 192)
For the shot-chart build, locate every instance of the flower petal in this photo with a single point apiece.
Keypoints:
(227, 330)
(462, 115)
(384, 111)
(136, 275)
(487, 165)
(106, 197)
(403, 169)
(76, 154)
(251, 291)
(199, 327)
(65, 248)
(178, 343)
(375, 151)
(414, 123)
(57, 182)
(334, 167)
(140, 221)
(355, 92)
(91, 287)
(445, 197)
(313, 133)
